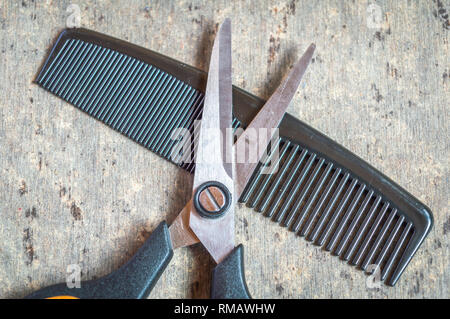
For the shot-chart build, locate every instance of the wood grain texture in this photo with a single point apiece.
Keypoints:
(73, 191)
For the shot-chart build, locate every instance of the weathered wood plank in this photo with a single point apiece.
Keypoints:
(72, 191)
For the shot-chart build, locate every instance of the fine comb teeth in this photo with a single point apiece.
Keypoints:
(320, 190)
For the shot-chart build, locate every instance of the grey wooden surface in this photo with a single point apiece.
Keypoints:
(72, 191)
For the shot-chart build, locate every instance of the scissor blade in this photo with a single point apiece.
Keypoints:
(213, 163)
(181, 234)
(213, 143)
(214, 155)
(268, 118)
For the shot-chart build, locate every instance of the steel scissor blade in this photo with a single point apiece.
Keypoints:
(268, 118)
(214, 155)
(212, 160)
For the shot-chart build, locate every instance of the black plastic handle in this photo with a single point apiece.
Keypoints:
(228, 280)
(135, 279)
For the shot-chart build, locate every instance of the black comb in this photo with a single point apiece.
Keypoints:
(320, 191)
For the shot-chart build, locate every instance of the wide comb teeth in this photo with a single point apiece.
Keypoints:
(329, 206)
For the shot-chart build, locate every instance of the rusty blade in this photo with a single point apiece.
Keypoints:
(181, 234)
(213, 156)
(214, 159)
(268, 118)
(211, 162)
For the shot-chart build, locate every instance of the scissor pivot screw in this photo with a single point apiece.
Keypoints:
(212, 199)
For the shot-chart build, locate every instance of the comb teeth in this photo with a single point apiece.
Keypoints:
(322, 202)
(135, 98)
(309, 194)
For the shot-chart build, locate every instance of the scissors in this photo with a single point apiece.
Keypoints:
(219, 180)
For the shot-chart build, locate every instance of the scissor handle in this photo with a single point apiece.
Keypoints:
(134, 280)
(228, 280)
